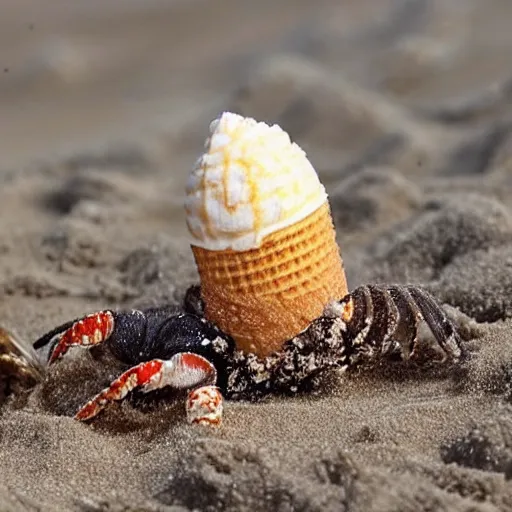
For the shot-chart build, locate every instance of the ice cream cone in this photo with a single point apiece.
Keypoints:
(269, 263)
(265, 296)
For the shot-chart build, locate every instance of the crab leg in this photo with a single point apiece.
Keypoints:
(182, 371)
(90, 330)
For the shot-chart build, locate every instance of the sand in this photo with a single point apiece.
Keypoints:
(403, 107)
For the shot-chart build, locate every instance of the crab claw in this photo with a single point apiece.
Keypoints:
(204, 406)
(90, 330)
(184, 370)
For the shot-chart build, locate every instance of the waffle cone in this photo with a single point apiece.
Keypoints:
(265, 296)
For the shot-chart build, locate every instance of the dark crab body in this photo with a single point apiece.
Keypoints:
(165, 347)
(170, 347)
(138, 336)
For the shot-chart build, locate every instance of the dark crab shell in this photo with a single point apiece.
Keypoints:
(138, 336)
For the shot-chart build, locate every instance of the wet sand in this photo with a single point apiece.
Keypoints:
(403, 108)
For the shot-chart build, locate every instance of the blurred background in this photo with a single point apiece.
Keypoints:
(406, 83)
(77, 72)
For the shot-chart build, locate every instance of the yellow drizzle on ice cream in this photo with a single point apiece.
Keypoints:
(251, 181)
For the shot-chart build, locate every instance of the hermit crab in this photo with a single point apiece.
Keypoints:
(272, 312)
(20, 367)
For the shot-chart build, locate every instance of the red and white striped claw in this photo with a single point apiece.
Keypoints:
(205, 406)
(183, 371)
(90, 330)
